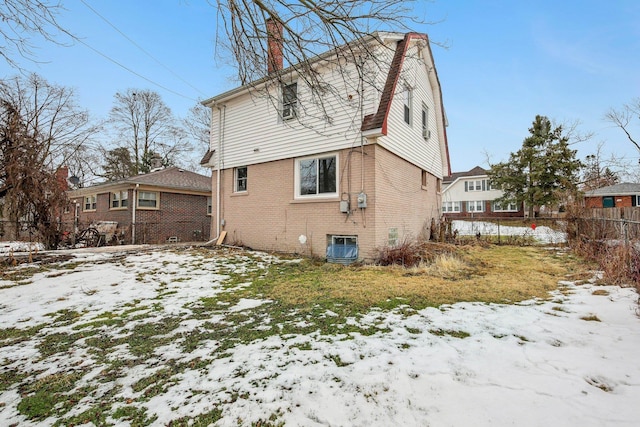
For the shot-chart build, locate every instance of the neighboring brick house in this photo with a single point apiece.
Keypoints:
(469, 194)
(283, 179)
(166, 205)
(622, 195)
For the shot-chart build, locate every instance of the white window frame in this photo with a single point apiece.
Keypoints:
(504, 207)
(90, 203)
(472, 206)
(209, 205)
(237, 188)
(119, 199)
(289, 106)
(336, 238)
(407, 100)
(454, 207)
(476, 183)
(426, 133)
(156, 199)
(325, 195)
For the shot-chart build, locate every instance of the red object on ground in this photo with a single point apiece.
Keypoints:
(533, 226)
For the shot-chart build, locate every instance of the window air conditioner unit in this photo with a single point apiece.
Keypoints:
(426, 133)
(287, 113)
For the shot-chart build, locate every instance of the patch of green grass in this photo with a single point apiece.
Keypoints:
(202, 420)
(450, 332)
(136, 416)
(41, 397)
(10, 377)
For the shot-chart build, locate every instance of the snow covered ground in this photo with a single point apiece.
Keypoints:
(542, 234)
(571, 360)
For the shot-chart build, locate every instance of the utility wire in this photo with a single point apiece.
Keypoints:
(142, 50)
(135, 73)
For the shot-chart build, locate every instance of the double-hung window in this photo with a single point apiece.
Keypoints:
(147, 199)
(475, 185)
(240, 179)
(475, 206)
(90, 203)
(426, 134)
(119, 199)
(289, 100)
(407, 96)
(317, 176)
(451, 207)
(505, 207)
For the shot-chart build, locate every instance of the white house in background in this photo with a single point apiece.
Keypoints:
(470, 194)
(284, 179)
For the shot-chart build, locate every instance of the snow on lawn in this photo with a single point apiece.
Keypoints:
(542, 234)
(570, 360)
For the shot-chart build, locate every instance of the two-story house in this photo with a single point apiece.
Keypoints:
(470, 194)
(287, 179)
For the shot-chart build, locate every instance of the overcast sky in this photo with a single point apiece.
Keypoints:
(506, 61)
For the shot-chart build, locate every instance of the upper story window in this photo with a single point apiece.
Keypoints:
(317, 176)
(90, 202)
(119, 199)
(148, 199)
(289, 100)
(240, 179)
(407, 96)
(426, 133)
(476, 185)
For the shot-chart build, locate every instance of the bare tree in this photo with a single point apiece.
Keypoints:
(598, 172)
(146, 125)
(625, 118)
(263, 36)
(198, 127)
(41, 129)
(23, 20)
(50, 114)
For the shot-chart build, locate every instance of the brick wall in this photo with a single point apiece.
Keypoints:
(267, 216)
(180, 215)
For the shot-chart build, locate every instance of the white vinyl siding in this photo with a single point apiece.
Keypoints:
(407, 141)
(249, 118)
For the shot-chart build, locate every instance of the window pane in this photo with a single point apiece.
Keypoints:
(241, 179)
(308, 176)
(147, 199)
(327, 175)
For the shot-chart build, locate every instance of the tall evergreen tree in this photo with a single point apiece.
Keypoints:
(541, 171)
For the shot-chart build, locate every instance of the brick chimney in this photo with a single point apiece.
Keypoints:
(62, 173)
(274, 46)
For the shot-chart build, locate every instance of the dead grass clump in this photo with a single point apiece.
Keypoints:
(408, 253)
(619, 263)
(448, 266)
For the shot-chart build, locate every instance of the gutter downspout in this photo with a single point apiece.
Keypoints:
(222, 112)
(133, 215)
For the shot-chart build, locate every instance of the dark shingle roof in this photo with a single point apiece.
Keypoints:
(477, 171)
(174, 177)
(622, 189)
